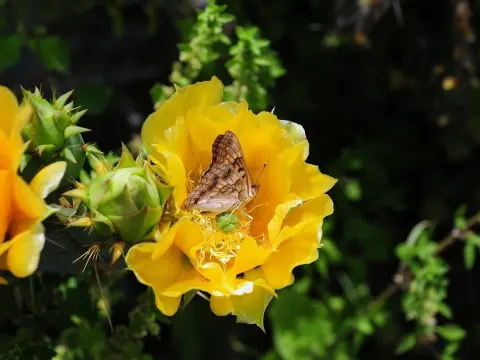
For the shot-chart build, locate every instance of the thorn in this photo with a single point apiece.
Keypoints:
(107, 311)
(92, 253)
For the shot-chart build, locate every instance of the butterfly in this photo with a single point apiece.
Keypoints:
(226, 185)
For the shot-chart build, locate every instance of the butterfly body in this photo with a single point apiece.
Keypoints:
(226, 185)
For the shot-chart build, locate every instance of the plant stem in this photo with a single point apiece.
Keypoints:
(454, 235)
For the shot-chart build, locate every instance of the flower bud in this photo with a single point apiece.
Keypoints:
(125, 201)
(53, 134)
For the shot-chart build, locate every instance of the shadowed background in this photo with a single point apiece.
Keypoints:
(370, 84)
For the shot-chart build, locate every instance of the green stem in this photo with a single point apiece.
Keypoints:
(454, 235)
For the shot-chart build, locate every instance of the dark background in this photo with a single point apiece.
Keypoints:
(376, 115)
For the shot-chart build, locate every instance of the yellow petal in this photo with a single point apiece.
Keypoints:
(175, 176)
(48, 179)
(24, 254)
(204, 125)
(9, 110)
(160, 273)
(17, 146)
(307, 180)
(221, 305)
(191, 96)
(301, 246)
(260, 136)
(295, 134)
(28, 208)
(5, 202)
(272, 192)
(249, 307)
(249, 256)
(3, 281)
(5, 153)
(281, 211)
(167, 305)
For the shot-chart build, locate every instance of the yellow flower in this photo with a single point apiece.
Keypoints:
(22, 205)
(240, 269)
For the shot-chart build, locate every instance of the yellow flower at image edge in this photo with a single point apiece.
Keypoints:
(272, 234)
(22, 208)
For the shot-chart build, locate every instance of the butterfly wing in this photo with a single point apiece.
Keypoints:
(226, 149)
(226, 185)
(218, 190)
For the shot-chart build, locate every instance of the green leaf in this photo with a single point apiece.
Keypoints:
(364, 325)
(459, 219)
(55, 53)
(471, 237)
(469, 254)
(406, 344)
(336, 303)
(11, 46)
(302, 327)
(444, 310)
(417, 231)
(451, 332)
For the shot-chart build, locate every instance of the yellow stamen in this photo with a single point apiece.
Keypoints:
(220, 246)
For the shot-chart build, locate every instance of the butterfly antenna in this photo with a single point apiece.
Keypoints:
(107, 311)
(261, 172)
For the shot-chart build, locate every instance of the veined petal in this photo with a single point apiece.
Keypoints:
(189, 97)
(9, 107)
(48, 179)
(24, 253)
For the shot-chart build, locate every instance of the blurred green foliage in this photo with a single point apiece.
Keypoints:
(368, 81)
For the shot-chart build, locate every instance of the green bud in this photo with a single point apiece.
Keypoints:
(227, 222)
(125, 201)
(53, 134)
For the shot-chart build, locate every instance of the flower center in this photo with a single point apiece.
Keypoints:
(219, 246)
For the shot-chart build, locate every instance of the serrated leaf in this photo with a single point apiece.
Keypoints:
(469, 254)
(451, 332)
(406, 344)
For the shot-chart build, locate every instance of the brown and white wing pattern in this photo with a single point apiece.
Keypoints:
(226, 185)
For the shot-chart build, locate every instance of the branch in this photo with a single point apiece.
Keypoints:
(392, 289)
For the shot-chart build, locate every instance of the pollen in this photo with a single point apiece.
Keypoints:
(219, 246)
